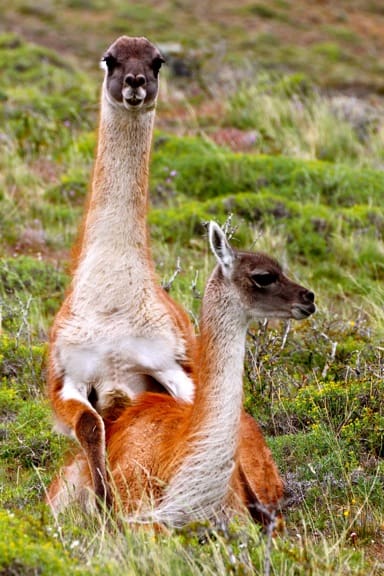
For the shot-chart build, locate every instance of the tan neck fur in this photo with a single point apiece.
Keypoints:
(116, 217)
(211, 438)
(221, 351)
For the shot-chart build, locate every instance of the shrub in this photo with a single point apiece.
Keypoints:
(21, 367)
(30, 292)
(353, 410)
(54, 102)
(27, 548)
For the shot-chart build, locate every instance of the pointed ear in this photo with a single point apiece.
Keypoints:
(221, 248)
(108, 62)
(156, 64)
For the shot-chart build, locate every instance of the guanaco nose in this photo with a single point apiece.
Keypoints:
(134, 81)
(309, 296)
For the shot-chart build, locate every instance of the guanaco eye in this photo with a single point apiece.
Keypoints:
(156, 64)
(265, 279)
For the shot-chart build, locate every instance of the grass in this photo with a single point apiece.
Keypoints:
(308, 190)
(292, 118)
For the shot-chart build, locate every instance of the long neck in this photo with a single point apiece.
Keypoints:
(116, 218)
(220, 362)
(202, 482)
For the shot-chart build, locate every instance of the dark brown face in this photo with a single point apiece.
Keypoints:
(132, 69)
(267, 291)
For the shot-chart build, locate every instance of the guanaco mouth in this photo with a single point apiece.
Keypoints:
(300, 312)
(133, 101)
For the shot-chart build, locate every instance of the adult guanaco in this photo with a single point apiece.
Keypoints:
(117, 333)
(173, 462)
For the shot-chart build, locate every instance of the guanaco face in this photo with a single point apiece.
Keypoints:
(132, 66)
(257, 282)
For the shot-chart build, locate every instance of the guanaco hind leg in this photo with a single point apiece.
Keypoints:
(84, 423)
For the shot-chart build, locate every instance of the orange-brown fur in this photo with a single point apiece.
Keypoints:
(196, 460)
(72, 413)
(157, 427)
(151, 432)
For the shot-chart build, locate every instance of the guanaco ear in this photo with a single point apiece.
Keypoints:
(108, 62)
(156, 64)
(221, 248)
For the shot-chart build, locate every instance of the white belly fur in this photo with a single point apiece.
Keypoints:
(118, 331)
(107, 364)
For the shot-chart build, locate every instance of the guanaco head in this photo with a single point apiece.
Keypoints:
(132, 67)
(257, 283)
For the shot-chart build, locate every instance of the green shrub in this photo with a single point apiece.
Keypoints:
(46, 100)
(28, 548)
(30, 292)
(204, 171)
(352, 409)
(21, 367)
(30, 442)
(9, 401)
(71, 190)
